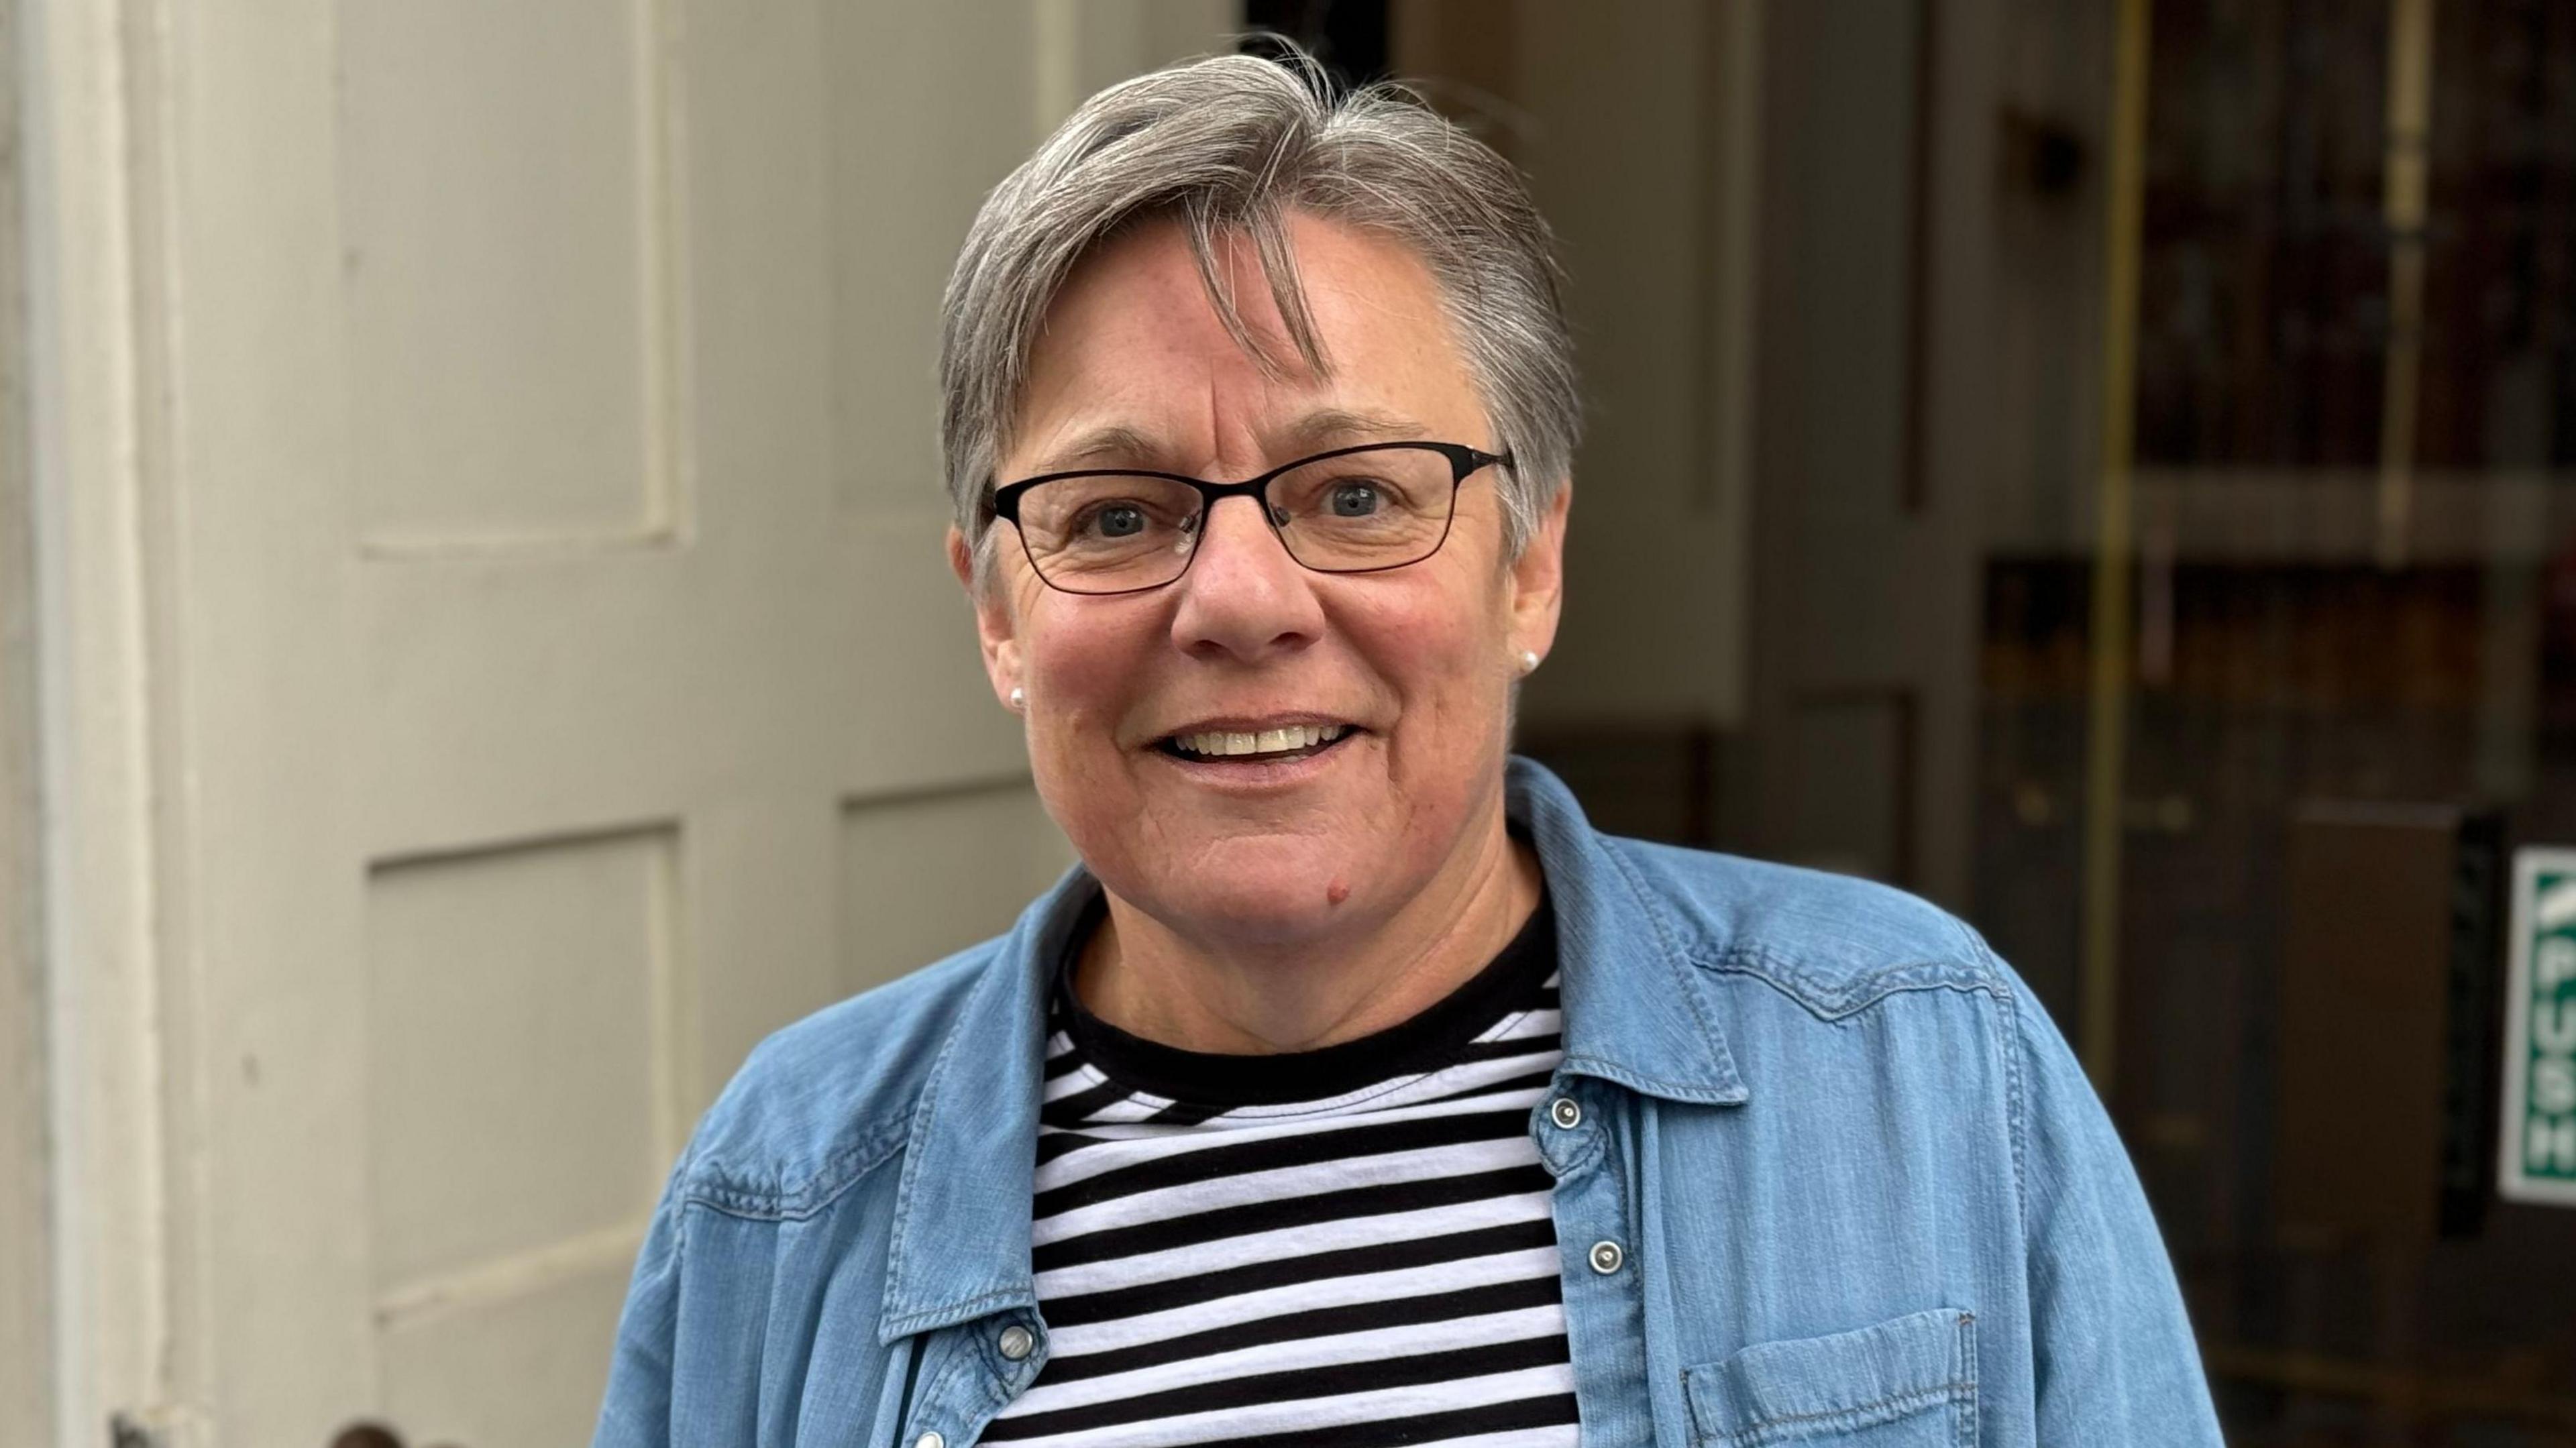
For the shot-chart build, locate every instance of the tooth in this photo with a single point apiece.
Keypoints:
(1218, 743)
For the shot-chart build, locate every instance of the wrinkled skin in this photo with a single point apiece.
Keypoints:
(1264, 908)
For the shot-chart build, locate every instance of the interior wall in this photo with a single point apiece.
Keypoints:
(1820, 264)
(1774, 222)
(1638, 125)
(1625, 104)
(1873, 395)
(26, 1288)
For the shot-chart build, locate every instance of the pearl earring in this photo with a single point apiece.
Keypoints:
(1529, 661)
(1019, 698)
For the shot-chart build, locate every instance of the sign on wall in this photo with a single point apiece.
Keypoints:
(2537, 1152)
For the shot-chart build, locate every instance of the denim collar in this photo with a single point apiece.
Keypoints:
(1637, 1012)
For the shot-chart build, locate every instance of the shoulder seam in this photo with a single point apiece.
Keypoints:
(720, 1191)
(1780, 973)
(1984, 982)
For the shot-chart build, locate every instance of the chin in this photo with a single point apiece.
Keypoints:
(1260, 915)
(1253, 888)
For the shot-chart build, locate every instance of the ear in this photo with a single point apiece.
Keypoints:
(1538, 579)
(995, 630)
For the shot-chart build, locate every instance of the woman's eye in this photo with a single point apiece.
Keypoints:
(1355, 500)
(1119, 520)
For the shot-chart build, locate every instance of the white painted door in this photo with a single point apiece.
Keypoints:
(554, 680)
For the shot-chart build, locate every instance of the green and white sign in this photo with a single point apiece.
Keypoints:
(2537, 1157)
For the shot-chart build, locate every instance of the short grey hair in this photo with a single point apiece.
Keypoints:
(1231, 145)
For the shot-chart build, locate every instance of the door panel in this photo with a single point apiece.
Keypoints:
(519, 1010)
(506, 207)
(986, 849)
(441, 1370)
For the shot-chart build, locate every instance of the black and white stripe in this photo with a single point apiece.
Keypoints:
(1374, 1267)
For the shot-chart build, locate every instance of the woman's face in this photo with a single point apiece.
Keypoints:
(1133, 369)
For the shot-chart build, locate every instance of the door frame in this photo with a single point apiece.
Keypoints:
(26, 1231)
(87, 112)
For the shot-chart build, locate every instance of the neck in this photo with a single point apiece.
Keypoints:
(1202, 994)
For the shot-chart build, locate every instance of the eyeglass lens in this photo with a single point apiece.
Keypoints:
(1362, 511)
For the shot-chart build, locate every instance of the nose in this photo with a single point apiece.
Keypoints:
(1243, 596)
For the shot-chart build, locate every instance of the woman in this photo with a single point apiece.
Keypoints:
(1354, 1091)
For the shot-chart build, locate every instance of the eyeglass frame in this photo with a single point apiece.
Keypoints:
(1003, 504)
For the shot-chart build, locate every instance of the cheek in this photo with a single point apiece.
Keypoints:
(1442, 654)
(1084, 674)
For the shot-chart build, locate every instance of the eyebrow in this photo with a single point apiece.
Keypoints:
(1317, 431)
(1114, 443)
(1331, 426)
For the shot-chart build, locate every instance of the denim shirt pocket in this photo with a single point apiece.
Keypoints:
(1908, 1382)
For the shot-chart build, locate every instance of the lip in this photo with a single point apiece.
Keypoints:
(1268, 776)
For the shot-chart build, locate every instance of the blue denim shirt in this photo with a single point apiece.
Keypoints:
(1861, 1190)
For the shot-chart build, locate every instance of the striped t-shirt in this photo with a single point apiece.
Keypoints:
(1343, 1248)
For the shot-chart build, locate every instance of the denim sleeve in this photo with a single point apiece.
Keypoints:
(2113, 1357)
(636, 1413)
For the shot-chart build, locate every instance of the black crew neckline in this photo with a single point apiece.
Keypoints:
(1431, 1038)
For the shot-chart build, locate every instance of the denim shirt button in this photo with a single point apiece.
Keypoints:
(1606, 1257)
(1016, 1342)
(929, 1440)
(1566, 1112)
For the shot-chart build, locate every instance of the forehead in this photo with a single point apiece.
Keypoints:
(1134, 355)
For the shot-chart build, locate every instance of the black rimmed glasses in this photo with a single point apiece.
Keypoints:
(1352, 510)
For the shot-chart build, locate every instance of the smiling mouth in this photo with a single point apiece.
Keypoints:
(1268, 746)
